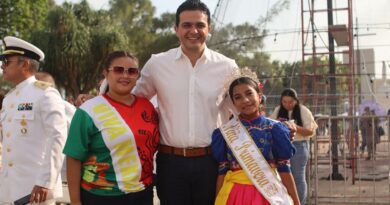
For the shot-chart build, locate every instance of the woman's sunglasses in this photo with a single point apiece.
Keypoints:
(121, 70)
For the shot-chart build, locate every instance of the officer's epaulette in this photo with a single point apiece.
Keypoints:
(42, 85)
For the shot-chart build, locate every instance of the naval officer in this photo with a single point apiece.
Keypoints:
(34, 128)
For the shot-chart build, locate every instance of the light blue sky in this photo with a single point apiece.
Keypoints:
(373, 16)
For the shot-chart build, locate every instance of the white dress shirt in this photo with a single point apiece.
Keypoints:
(187, 95)
(34, 131)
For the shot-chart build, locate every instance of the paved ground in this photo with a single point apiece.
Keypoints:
(367, 188)
(371, 184)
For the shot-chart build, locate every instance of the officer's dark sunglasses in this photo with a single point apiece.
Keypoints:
(6, 62)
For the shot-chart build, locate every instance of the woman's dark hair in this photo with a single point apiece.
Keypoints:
(243, 80)
(296, 113)
(117, 54)
(192, 5)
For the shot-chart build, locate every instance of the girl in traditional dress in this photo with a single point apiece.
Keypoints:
(242, 180)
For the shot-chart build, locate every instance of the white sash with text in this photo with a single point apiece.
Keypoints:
(120, 140)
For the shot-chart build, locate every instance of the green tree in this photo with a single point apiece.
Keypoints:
(164, 35)
(76, 40)
(22, 17)
(236, 41)
(164, 24)
(136, 18)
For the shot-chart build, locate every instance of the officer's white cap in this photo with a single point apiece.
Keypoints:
(16, 46)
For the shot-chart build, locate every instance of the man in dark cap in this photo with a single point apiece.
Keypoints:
(33, 127)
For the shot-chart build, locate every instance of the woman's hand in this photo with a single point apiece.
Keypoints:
(82, 98)
(292, 127)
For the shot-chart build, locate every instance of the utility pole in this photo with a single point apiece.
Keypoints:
(359, 68)
(333, 101)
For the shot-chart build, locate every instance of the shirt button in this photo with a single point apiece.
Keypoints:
(10, 164)
(11, 106)
(17, 93)
(8, 150)
(9, 119)
(8, 134)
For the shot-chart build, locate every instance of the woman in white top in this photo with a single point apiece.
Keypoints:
(291, 109)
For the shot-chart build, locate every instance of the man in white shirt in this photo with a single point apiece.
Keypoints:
(187, 81)
(33, 129)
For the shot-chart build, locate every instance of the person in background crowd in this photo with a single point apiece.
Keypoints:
(187, 81)
(376, 137)
(33, 128)
(291, 109)
(112, 140)
(2, 95)
(234, 185)
(386, 127)
(69, 110)
(81, 98)
(366, 130)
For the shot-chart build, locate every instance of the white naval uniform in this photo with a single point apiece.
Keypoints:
(34, 130)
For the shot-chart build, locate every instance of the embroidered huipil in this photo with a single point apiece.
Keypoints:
(272, 138)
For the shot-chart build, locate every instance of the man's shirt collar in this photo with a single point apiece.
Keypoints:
(206, 53)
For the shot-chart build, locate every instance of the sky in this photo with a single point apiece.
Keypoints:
(284, 43)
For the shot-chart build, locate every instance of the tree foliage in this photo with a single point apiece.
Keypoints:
(20, 17)
(236, 41)
(136, 18)
(165, 37)
(164, 24)
(76, 40)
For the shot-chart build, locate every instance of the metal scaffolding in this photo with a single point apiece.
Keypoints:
(322, 82)
(317, 77)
